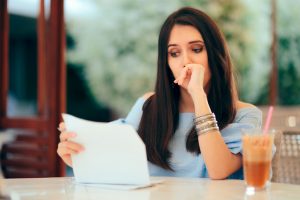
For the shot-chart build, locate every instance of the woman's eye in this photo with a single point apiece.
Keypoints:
(198, 50)
(174, 54)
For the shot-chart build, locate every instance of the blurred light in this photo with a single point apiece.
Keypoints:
(250, 191)
(291, 121)
(73, 8)
(79, 8)
(28, 8)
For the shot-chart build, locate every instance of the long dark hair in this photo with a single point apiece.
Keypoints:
(161, 111)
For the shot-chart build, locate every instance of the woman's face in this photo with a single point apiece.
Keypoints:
(186, 46)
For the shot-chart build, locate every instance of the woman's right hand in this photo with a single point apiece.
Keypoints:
(65, 147)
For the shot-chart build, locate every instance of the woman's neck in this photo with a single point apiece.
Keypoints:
(186, 103)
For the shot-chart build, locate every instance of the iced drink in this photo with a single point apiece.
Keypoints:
(257, 157)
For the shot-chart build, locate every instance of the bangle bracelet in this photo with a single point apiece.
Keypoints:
(199, 132)
(199, 121)
(206, 123)
(204, 117)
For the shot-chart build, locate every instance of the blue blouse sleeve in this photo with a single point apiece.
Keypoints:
(134, 116)
(246, 118)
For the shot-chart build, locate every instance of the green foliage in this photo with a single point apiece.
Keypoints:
(289, 52)
(289, 85)
(118, 47)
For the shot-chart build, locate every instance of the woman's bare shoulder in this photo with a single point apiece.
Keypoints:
(240, 105)
(147, 95)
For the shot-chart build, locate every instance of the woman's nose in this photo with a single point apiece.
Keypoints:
(186, 59)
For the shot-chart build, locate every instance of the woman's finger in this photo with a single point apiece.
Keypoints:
(62, 126)
(64, 151)
(71, 145)
(66, 156)
(66, 135)
(67, 160)
(182, 76)
(198, 74)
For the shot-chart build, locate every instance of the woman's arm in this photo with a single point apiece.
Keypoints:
(220, 161)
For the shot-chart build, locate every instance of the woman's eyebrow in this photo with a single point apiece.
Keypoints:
(191, 42)
(196, 41)
(171, 45)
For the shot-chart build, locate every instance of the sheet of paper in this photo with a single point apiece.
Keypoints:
(114, 154)
(120, 186)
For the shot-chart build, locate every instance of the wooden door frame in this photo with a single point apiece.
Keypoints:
(57, 100)
(4, 27)
(51, 87)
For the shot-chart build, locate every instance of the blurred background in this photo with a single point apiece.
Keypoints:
(111, 50)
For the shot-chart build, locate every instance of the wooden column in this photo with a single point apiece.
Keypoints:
(57, 74)
(273, 86)
(4, 27)
(33, 152)
(41, 79)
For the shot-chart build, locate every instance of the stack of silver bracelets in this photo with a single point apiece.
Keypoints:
(206, 123)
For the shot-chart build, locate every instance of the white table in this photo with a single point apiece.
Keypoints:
(171, 188)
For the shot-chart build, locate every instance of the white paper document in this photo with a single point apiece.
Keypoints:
(121, 186)
(113, 154)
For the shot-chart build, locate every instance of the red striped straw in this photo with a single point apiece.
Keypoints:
(268, 121)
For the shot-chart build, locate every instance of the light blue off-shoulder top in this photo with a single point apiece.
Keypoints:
(186, 164)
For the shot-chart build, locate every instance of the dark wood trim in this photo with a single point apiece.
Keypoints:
(57, 89)
(25, 123)
(21, 173)
(29, 150)
(41, 50)
(4, 28)
(40, 131)
(24, 163)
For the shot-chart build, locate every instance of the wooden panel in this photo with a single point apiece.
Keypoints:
(25, 173)
(33, 153)
(32, 139)
(26, 123)
(21, 149)
(42, 79)
(4, 27)
(57, 89)
(23, 160)
(25, 163)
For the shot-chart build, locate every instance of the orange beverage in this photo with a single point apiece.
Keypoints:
(257, 173)
(257, 157)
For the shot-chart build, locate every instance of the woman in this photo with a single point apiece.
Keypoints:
(192, 123)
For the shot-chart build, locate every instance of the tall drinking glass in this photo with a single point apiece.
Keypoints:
(257, 158)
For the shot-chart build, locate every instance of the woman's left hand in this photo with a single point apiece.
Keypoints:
(194, 75)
